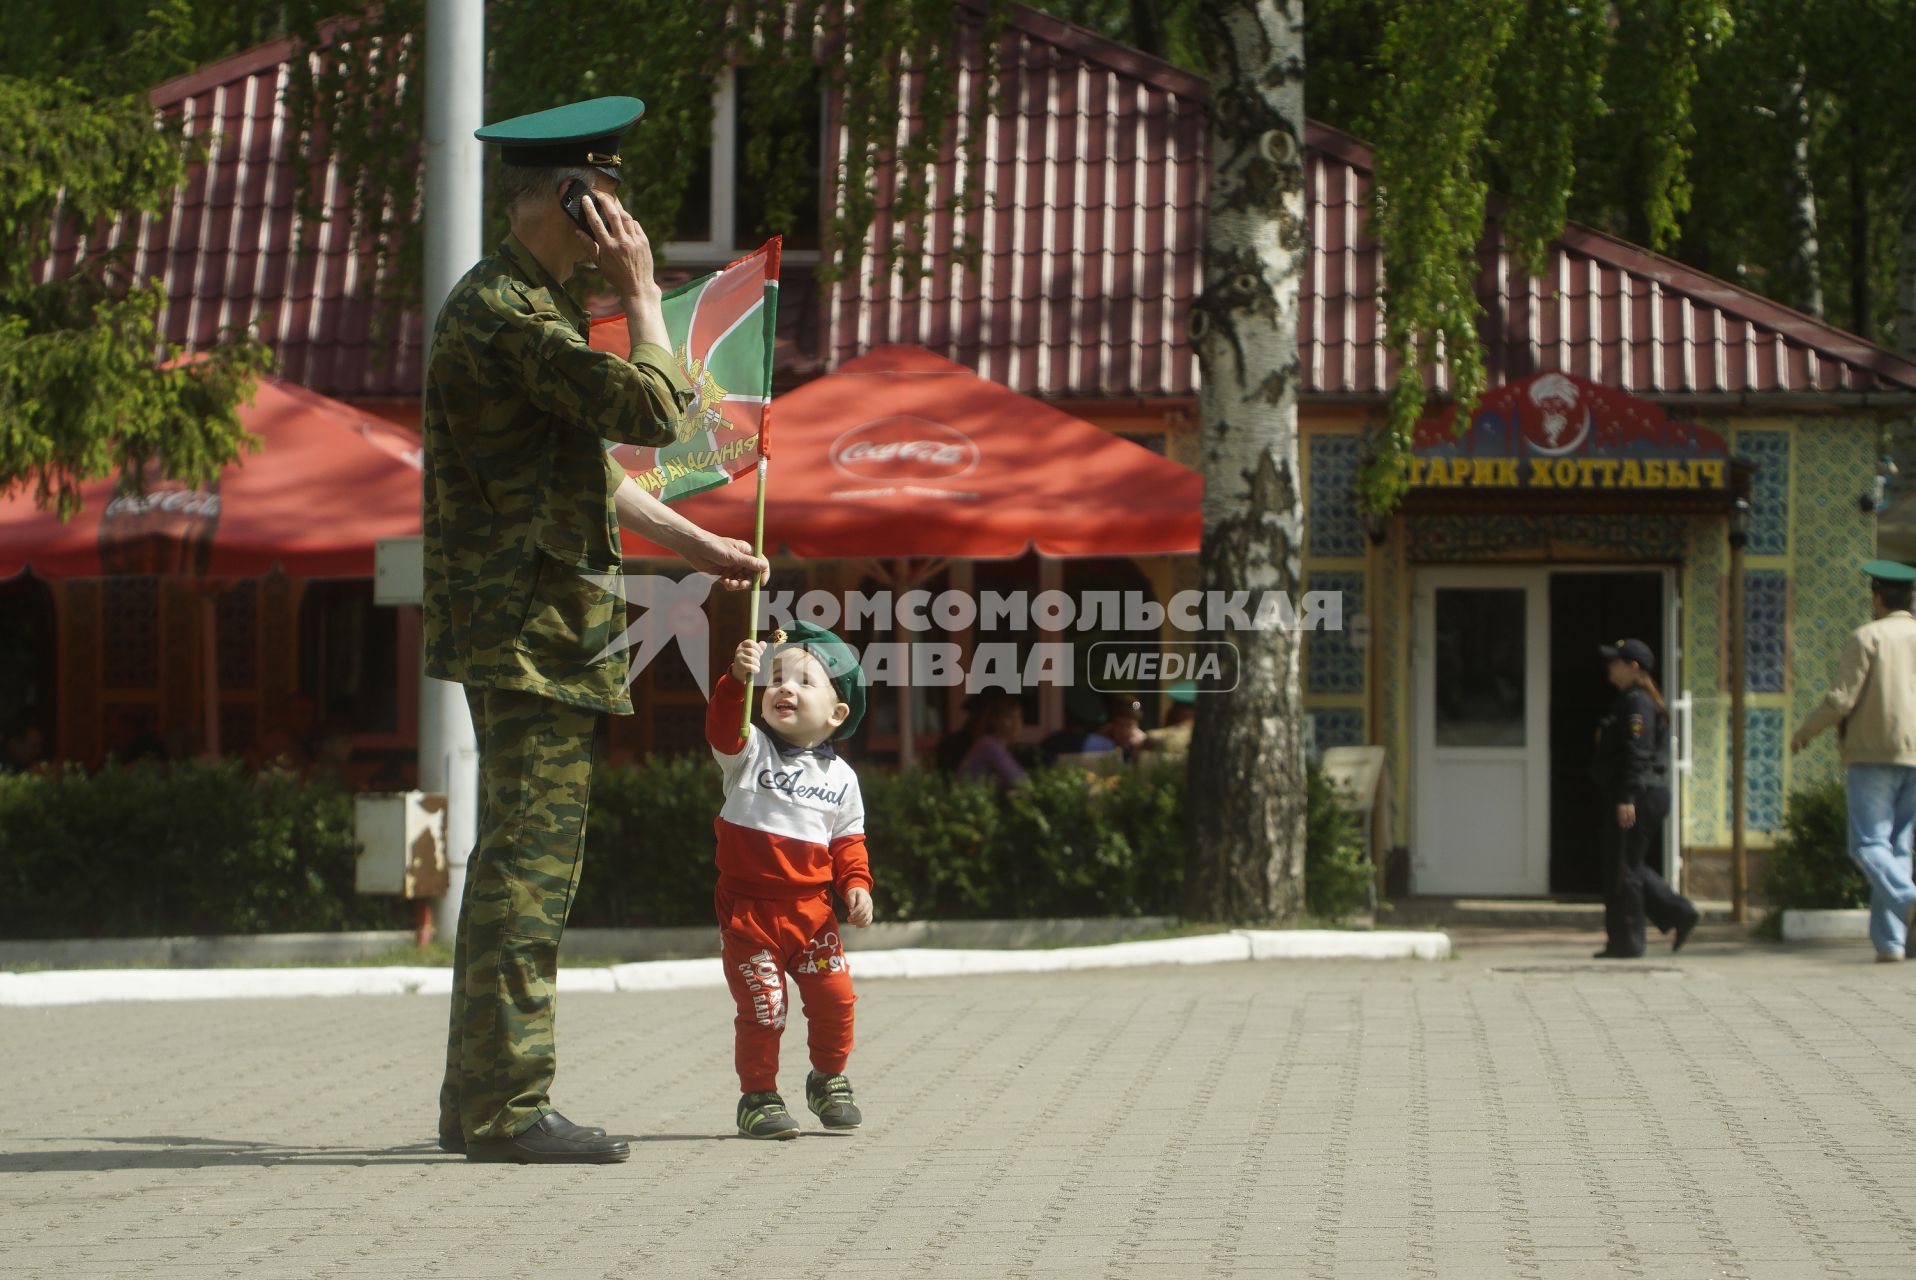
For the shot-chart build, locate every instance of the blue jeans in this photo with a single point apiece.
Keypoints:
(1882, 817)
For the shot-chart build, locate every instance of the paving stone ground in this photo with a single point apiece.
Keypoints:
(1739, 1111)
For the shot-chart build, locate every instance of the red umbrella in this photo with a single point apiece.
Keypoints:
(902, 453)
(326, 482)
(904, 458)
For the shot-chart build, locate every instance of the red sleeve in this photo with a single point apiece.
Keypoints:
(725, 716)
(850, 867)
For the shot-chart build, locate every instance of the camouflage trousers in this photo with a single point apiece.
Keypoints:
(535, 782)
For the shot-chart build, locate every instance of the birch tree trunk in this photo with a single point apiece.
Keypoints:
(1906, 274)
(1804, 249)
(1247, 772)
(1862, 320)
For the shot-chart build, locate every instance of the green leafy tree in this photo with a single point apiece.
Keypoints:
(87, 386)
(361, 86)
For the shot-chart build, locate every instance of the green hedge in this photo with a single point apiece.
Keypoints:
(207, 848)
(195, 848)
(1337, 876)
(945, 849)
(1810, 867)
(940, 848)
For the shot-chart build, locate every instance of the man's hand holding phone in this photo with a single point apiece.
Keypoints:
(624, 255)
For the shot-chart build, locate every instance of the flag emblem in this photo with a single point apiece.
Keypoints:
(722, 329)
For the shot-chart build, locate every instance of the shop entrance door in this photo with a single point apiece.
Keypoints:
(1481, 761)
(1589, 608)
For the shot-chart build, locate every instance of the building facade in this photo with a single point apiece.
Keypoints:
(1476, 608)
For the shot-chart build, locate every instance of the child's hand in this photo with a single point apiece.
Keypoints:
(745, 661)
(859, 907)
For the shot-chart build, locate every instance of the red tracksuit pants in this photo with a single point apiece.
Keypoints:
(764, 940)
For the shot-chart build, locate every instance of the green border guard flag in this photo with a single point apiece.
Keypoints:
(721, 327)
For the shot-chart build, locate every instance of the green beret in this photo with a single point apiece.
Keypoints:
(1889, 571)
(840, 663)
(578, 135)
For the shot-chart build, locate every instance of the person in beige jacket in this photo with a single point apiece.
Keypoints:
(1872, 706)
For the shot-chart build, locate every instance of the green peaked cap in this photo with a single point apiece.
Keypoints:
(577, 135)
(1889, 571)
(840, 663)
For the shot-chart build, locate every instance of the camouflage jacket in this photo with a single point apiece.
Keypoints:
(519, 487)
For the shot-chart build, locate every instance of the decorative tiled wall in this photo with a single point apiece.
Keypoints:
(1830, 538)
(1464, 538)
(1702, 585)
(1337, 558)
(1770, 491)
(1763, 740)
(1337, 727)
(1334, 664)
(1766, 595)
(1802, 597)
(1335, 527)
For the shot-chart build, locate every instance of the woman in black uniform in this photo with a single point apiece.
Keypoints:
(1632, 772)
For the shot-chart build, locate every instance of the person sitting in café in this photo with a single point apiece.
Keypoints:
(954, 746)
(1083, 711)
(1122, 725)
(999, 717)
(1173, 740)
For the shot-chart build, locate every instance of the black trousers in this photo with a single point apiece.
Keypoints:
(1633, 887)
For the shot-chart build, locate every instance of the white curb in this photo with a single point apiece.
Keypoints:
(1850, 924)
(90, 986)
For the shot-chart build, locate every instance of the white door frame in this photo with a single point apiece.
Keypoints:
(1677, 698)
(1536, 579)
(1531, 875)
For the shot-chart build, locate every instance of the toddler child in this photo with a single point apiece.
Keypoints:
(792, 829)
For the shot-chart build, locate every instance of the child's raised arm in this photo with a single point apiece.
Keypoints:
(745, 660)
(726, 710)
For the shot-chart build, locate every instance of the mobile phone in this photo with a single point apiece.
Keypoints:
(575, 194)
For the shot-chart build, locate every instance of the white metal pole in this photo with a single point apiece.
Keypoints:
(454, 207)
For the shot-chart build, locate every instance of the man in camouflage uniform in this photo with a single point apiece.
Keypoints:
(523, 507)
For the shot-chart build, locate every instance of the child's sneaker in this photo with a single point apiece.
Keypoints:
(830, 1098)
(763, 1115)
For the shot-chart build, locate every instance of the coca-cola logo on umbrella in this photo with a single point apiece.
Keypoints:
(167, 529)
(904, 447)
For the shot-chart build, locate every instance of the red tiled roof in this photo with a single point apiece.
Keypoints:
(233, 248)
(1091, 226)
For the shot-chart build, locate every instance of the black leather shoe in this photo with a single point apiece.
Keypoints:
(553, 1140)
(1683, 929)
(455, 1143)
(1608, 954)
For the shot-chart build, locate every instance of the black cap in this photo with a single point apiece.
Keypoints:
(1630, 651)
